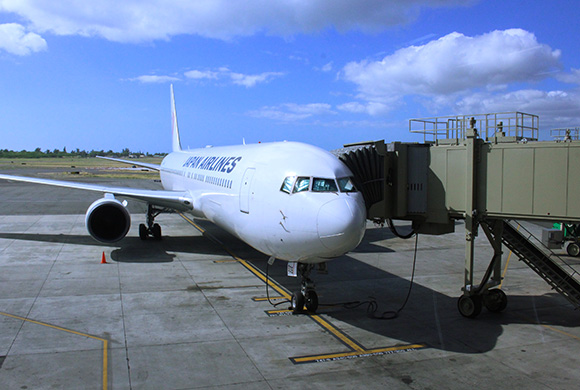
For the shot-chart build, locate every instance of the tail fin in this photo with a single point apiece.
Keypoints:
(174, 128)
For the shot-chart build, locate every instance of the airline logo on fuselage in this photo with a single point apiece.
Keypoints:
(212, 163)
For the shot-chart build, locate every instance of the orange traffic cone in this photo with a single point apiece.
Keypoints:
(103, 259)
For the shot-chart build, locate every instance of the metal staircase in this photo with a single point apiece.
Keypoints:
(551, 267)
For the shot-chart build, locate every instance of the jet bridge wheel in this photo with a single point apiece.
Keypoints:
(469, 306)
(573, 249)
(495, 300)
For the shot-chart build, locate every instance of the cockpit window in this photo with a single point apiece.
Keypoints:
(324, 185)
(346, 185)
(287, 185)
(302, 184)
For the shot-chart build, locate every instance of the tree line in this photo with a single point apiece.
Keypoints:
(39, 153)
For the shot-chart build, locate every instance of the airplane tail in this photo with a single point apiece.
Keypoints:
(174, 129)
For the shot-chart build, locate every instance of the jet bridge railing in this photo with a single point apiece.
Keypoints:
(503, 126)
(565, 134)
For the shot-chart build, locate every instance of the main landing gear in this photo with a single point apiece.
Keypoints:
(152, 229)
(306, 297)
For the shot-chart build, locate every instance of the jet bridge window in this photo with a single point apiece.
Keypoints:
(287, 185)
(324, 185)
(302, 184)
(346, 185)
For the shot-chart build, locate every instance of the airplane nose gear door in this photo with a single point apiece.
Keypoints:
(245, 191)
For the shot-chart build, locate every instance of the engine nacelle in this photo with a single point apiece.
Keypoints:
(107, 220)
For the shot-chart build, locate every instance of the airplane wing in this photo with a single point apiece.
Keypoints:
(136, 163)
(178, 200)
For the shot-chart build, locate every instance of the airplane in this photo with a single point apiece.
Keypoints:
(289, 200)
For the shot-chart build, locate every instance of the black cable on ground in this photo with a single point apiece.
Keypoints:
(373, 306)
(396, 233)
(268, 288)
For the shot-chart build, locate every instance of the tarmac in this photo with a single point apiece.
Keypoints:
(191, 311)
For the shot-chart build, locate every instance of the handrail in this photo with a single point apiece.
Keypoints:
(502, 124)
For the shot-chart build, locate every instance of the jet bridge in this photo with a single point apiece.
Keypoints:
(489, 170)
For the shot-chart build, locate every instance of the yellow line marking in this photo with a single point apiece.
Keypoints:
(262, 299)
(340, 355)
(561, 331)
(105, 342)
(337, 333)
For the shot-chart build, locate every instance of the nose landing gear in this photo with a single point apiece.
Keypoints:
(306, 297)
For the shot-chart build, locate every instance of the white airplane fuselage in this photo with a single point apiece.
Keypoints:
(259, 193)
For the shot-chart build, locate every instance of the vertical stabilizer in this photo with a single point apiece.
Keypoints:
(174, 129)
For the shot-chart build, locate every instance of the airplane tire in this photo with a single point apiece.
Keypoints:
(495, 301)
(156, 231)
(143, 232)
(311, 301)
(297, 302)
(469, 306)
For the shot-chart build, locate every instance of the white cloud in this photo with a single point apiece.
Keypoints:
(246, 80)
(15, 40)
(152, 79)
(573, 77)
(200, 75)
(371, 108)
(327, 67)
(146, 20)
(555, 108)
(290, 112)
(455, 63)
(253, 79)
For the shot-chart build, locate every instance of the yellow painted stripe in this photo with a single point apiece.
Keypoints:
(104, 341)
(337, 333)
(309, 359)
(263, 299)
(561, 332)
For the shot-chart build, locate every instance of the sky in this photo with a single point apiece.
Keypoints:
(96, 75)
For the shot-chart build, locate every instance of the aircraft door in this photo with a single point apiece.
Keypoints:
(245, 190)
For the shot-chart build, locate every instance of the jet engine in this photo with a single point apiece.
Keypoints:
(108, 220)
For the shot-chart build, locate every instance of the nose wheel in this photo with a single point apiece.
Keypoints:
(307, 296)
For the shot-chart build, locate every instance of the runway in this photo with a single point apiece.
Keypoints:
(191, 311)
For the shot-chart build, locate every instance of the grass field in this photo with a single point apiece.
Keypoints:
(79, 167)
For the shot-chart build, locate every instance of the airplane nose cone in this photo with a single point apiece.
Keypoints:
(341, 225)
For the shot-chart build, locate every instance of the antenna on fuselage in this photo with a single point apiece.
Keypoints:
(176, 144)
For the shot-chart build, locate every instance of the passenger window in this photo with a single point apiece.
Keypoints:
(302, 184)
(346, 185)
(324, 185)
(287, 185)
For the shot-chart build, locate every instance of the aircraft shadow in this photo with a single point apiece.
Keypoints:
(131, 249)
(429, 316)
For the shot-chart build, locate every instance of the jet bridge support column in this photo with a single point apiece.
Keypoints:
(471, 224)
